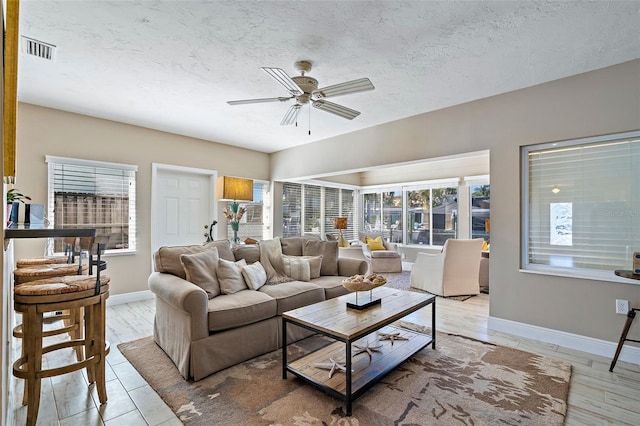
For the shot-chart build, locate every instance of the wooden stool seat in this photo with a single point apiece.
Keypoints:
(37, 261)
(59, 285)
(32, 273)
(77, 292)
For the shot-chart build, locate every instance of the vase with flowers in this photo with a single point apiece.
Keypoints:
(234, 214)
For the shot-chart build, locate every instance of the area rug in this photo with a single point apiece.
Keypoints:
(402, 281)
(462, 382)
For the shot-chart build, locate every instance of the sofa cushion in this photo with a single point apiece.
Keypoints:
(332, 286)
(329, 252)
(167, 259)
(224, 249)
(296, 267)
(384, 253)
(230, 276)
(248, 252)
(294, 246)
(293, 294)
(200, 269)
(241, 308)
(291, 246)
(254, 275)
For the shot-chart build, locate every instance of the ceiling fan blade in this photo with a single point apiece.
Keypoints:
(355, 86)
(336, 109)
(291, 115)
(281, 77)
(259, 101)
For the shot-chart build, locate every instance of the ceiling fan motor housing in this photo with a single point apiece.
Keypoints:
(308, 85)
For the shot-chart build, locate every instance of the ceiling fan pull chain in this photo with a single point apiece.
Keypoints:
(309, 119)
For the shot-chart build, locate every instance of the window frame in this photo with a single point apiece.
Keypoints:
(566, 271)
(53, 160)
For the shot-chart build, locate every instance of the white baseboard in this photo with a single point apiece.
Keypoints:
(136, 296)
(590, 345)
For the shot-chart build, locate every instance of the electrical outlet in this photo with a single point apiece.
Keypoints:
(622, 306)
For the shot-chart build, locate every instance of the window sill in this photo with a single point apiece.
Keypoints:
(585, 274)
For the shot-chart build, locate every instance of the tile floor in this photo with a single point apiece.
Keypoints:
(596, 396)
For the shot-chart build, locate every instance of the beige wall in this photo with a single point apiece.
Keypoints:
(600, 102)
(44, 131)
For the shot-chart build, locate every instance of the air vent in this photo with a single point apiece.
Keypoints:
(38, 48)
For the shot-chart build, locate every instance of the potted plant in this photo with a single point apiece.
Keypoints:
(14, 196)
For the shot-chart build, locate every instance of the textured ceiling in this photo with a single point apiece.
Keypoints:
(172, 65)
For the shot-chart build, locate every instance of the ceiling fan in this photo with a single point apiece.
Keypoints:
(304, 89)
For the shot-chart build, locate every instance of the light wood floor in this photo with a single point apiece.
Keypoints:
(596, 397)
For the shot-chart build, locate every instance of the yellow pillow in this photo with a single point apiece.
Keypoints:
(375, 244)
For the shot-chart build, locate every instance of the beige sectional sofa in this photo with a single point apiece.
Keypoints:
(204, 328)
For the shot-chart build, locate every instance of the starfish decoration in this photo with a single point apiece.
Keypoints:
(332, 366)
(367, 348)
(392, 336)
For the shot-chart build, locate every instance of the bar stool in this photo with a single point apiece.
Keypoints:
(47, 270)
(76, 293)
(32, 269)
(70, 292)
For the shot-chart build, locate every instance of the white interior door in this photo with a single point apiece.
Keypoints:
(183, 201)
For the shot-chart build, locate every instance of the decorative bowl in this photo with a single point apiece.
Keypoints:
(364, 282)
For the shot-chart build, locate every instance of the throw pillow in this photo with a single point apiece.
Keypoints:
(297, 267)
(248, 252)
(230, 276)
(315, 264)
(375, 243)
(200, 269)
(254, 275)
(224, 249)
(329, 252)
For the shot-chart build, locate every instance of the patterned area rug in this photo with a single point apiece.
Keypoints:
(402, 281)
(462, 382)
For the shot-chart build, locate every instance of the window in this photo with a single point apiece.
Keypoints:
(254, 223)
(291, 209)
(312, 208)
(480, 212)
(348, 209)
(429, 210)
(94, 194)
(581, 203)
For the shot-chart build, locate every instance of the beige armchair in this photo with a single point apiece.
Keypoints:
(387, 260)
(454, 272)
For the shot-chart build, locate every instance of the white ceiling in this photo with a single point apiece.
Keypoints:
(172, 65)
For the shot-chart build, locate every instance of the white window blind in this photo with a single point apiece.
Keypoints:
(291, 209)
(349, 210)
(331, 209)
(582, 203)
(93, 194)
(311, 195)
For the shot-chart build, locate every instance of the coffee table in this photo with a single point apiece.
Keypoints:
(350, 327)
